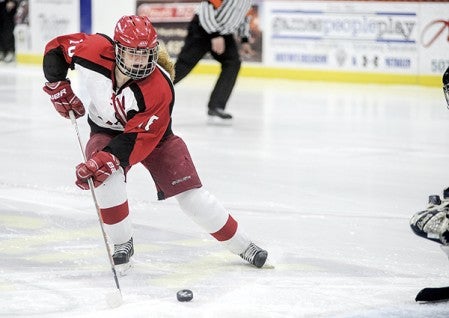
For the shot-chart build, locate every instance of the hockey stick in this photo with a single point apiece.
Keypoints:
(115, 299)
(434, 294)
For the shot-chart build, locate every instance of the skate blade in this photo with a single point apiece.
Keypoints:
(217, 121)
(268, 265)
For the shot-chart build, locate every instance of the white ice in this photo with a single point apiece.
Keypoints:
(325, 176)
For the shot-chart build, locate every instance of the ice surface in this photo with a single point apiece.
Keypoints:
(324, 176)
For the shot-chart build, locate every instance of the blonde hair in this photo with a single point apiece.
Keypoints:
(165, 61)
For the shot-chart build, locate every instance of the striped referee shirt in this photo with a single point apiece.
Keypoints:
(221, 17)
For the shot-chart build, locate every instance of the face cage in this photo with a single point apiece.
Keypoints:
(141, 66)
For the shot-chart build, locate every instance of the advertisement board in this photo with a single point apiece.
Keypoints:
(42, 20)
(171, 19)
(434, 38)
(381, 41)
(343, 36)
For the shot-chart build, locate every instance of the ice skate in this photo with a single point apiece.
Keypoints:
(255, 255)
(9, 57)
(217, 116)
(122, 256)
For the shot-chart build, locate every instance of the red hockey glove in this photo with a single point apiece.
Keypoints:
(63, 98)
(99, 168)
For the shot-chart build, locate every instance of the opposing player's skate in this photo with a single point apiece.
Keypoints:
(255, 255)
(122, 256)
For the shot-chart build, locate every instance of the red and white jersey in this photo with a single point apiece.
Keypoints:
(137, 114)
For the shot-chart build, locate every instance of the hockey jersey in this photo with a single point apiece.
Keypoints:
(138, 114)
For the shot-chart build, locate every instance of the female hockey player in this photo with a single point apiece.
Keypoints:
(129, 81)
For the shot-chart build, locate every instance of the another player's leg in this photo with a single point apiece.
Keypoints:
(230, 67)
(196, 45)
(113, 203)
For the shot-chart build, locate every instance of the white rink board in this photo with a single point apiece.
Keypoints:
(383, 37)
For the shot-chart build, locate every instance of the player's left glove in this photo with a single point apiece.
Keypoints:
(99, 168)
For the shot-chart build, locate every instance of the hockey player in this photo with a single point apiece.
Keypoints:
(129, 81)
(433, 223)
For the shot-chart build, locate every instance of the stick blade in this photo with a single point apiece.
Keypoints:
(114, 299)
(433, 294)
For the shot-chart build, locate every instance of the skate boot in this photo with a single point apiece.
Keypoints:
(255, 255)
(217, 116)
(122, 255)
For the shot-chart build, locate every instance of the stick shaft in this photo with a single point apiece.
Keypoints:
(97, 207)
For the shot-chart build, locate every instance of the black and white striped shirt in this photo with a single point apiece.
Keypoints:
(225, 17)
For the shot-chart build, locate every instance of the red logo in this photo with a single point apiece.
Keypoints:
(433, 31)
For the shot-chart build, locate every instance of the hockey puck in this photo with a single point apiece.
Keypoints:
(184, 295)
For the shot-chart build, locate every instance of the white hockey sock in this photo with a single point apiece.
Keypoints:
(205, 210)
(111, 195)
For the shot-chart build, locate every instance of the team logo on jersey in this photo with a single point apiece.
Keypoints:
(119, 107)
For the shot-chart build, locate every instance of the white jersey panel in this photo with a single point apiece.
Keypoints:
(106, 109)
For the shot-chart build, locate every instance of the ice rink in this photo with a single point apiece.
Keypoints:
(325, 176)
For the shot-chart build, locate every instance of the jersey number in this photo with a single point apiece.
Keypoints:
(149, 122)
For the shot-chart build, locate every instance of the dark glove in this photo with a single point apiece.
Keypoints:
(63, 98)
(99, 168)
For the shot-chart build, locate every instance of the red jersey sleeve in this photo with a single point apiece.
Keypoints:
(67, 43)
(58, 55)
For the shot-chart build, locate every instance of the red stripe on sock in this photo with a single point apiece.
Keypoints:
(115, 214)
(227, 231)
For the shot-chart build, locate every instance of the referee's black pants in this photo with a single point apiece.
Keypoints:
(196, 45)
(7, 40)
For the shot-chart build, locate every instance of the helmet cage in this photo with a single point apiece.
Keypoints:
(136, 63)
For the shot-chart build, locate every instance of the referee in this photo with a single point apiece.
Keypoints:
(212, 30)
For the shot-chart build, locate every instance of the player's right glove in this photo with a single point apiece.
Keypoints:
(63, 98)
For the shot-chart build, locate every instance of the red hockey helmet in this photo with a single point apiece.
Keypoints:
(136, 46)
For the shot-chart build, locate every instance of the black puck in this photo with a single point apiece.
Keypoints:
(184, 295)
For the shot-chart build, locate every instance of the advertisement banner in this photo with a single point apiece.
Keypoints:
(343, 36)
(434, 38)
(48, 19)
(171, 19)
